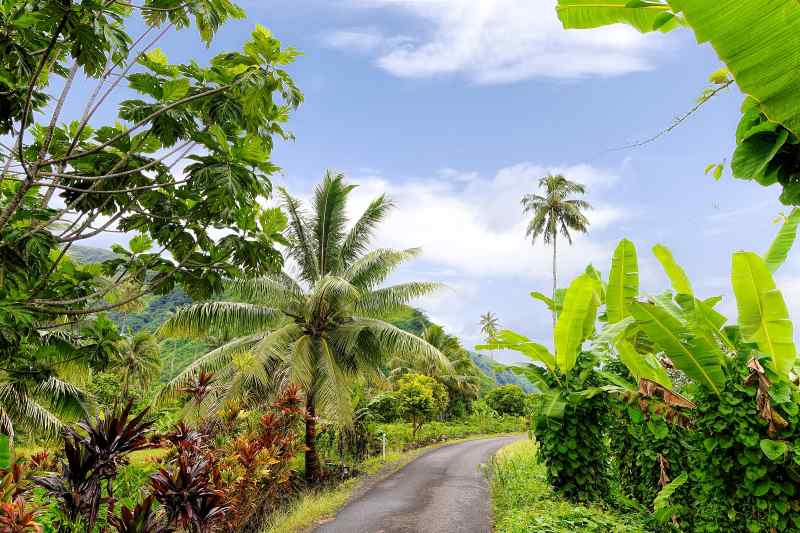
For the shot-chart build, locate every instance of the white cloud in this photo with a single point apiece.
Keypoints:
(475, 227)
(497, 41)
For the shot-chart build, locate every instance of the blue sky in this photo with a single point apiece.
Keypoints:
(455, 108)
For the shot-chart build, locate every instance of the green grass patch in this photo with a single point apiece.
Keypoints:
(524, 502)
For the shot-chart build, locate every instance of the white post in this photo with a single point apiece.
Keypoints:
(383, 446)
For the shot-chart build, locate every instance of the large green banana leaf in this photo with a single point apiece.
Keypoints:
(643, 365)
(699, 358)
(758, 40)
(779, 249)
(623, 281)
(763, 316)
(645, 16)
(511, 340)
(677, 276)
(580, 308)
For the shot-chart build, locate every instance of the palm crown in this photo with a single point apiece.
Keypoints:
(319, 330)
(556, 212)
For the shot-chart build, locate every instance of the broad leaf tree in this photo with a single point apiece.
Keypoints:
(179, 168)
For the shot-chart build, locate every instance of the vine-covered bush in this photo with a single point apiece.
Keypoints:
(647, 451)
(745, 469)
(574, 446)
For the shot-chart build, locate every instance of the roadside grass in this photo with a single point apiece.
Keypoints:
(524, 502)
(312, 507)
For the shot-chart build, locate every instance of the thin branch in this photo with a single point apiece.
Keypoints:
(678, 121)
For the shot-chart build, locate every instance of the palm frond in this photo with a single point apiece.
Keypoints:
(300, 248)
(275, 290)
(372, 269)
(389, 300)
(357, 241)
(330, 220)
(220, 319)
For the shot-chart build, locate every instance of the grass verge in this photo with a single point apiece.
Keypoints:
(524, 502)
(315, 506)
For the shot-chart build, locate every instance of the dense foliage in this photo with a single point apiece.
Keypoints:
(507, 400)
(186, 152)
(705, 414)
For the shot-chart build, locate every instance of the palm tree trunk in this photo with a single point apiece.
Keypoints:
(313, 468)
(555, 277)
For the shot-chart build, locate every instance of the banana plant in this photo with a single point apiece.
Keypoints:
(650, 335)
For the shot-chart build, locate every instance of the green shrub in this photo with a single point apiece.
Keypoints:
(507, 400)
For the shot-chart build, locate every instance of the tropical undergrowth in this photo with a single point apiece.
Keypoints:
(654, 402)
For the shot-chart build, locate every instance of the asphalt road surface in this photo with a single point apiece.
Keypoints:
(443, 491)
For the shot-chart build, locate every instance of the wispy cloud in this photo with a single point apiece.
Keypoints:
(496, 41)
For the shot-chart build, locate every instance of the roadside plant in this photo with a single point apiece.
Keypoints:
(94, 451)
(321, 330)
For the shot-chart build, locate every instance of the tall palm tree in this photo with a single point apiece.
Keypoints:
(320, 330)
(138, 360)
(556, 212)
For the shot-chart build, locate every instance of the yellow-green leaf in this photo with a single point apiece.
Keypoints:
(580, 307)
(779, 249)
(759, 41)
(643, 365)
(699, 358)
(763, 316)
(644, 16)
(677, 277)
(623, 281)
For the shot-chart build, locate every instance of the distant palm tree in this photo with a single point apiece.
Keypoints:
(138, 360)
(489, 326)
(321, 330)
(556, 212)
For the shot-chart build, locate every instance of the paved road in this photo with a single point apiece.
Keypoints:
(443, 491)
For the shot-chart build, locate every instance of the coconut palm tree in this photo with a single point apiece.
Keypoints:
(319, 329)
(556, 212)
(138, 360)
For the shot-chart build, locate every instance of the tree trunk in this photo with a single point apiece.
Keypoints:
(313, 468)
(555, 278)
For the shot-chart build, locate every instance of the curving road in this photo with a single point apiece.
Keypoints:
(443, 491)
